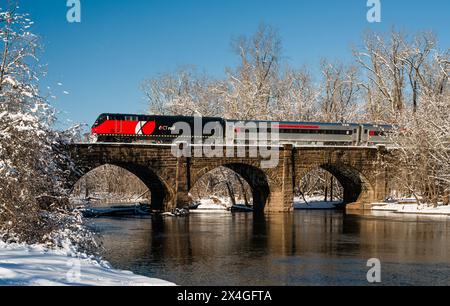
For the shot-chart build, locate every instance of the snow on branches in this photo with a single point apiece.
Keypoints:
(34, 206)
(422, 160)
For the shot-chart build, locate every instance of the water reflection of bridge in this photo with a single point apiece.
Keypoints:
(233, 249)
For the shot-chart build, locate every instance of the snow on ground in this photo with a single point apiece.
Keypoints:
(102, 199)
(209, 206)
(414, 208)
(314, 203)
(36, 266)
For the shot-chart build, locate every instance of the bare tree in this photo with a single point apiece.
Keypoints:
(223, 183)
(249, 92)
(400, 71)
(422, 160)
(296, 96)
(383, 60)
(183, 93)
(340, 93)
(110, 184)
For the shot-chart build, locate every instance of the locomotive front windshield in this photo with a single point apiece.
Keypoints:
(101, 119)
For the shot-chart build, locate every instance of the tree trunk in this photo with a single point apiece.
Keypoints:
(331, 188)
(244, 191)
(231, 194)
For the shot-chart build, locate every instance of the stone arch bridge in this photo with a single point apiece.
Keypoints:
(360, 171)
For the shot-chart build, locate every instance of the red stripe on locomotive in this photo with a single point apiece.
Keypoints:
(122, 127)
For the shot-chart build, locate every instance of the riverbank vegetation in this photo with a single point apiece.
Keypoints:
(34, 201)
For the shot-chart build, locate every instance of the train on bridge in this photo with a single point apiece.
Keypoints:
(125, 128)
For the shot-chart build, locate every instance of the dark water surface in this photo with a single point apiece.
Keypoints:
(302, 248)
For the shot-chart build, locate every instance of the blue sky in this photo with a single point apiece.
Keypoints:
(102, 60)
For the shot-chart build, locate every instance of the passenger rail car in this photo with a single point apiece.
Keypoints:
(162, 130)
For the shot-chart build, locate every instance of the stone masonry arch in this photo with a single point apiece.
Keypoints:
(160, 193)
(254, 176)
(357, 188)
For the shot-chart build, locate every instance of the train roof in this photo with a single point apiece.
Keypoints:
(257, 121)
(158, 116)
(319, 123)
(300, 122)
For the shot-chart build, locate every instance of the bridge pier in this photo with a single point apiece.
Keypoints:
(182, 184)
(282, 189)
(379, 175)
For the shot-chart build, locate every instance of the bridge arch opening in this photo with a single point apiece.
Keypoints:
(120, 183)
(242, 184)
(318, 189)
(335, 183)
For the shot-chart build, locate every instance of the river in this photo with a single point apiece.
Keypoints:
(301, 248)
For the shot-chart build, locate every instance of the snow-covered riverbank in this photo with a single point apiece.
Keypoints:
(221, 205)
(36, 266)
(315, 203)
(412, 209)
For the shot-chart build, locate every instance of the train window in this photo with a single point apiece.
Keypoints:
(377, 133)
(366, 131)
